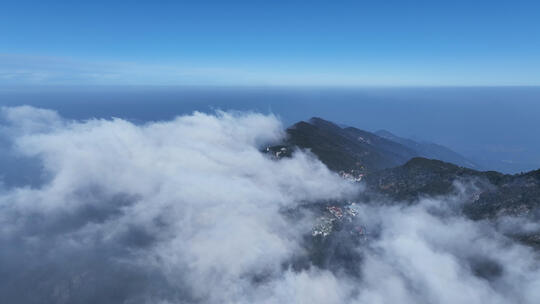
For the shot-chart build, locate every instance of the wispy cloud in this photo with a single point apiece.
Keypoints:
(23, 70)
(42, 70)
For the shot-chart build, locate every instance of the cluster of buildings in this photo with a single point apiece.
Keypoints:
(366, 140)
(278, 152)
(351, 176)
(336, 215)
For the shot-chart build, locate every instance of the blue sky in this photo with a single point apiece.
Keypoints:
(350, 43)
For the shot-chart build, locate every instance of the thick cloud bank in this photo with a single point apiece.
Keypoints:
(190, 211)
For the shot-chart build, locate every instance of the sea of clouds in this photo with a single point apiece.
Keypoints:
(190, 211)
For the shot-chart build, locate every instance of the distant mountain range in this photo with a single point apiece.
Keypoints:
(430, 150)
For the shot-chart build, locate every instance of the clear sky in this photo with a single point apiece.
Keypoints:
(388, 43)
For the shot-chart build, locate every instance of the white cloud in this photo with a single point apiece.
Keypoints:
(189, 211)
(197, 186)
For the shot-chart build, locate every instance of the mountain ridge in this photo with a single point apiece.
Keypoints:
(430, 150)
(391, 171)
(350, 148)
(347, 148)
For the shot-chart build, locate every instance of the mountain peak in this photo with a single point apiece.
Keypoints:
(344, 148)
(347, 148)
(317, 121)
